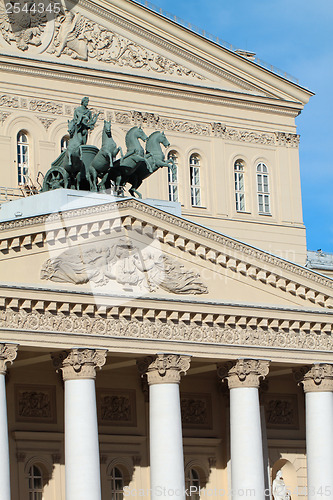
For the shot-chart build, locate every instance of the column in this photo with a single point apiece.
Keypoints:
(317, 382)
(8, 353)
(247, 466)
(82, 465)
(166, 442)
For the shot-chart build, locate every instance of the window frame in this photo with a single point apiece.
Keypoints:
(22, 166)
(263, 189)
(116, 493)
(35, 492)
(195, 174)
(173, 183)
(239, 177)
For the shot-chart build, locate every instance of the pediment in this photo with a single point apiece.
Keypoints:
(134, 250)
(131, 42)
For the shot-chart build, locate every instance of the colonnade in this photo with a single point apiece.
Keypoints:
(163, 373)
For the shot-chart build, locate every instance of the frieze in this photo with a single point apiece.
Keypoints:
(153, 120)
(166, 330)
(46, 106)
(80, 38)
(116, 407)
(23, 29)
(35, 403)
(9, 101)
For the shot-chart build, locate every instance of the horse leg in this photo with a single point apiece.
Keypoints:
(101, 185)
(133, 189)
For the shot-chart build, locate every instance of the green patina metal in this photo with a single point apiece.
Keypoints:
(86, 167)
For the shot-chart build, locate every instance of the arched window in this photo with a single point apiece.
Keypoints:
(117, 484)
(263, 189)
(35, 483)
(239, 172)
(22, 157)
(173, 177)
(192, 481)
(195, 180)
(64, 143)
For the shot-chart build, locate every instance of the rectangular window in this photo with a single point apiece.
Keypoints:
(173, 184)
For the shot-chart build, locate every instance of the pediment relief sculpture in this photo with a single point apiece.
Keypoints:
(132, 268)
(80, 38)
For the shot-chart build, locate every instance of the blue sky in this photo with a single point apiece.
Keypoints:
(296, 36)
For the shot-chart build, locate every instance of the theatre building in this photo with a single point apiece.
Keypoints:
(174, 345)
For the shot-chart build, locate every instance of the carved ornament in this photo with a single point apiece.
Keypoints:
(79, 363)
(318, 378)
(131, 268)
(35, 403)
(281, 411)
(23, 29)
(116, 407)
(219, 334)
(244, 372)
(4, 115)
(80, 38)
(196, 410)
(164, 368)
(8, 353)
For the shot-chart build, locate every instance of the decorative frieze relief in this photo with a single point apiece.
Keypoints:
(164, 368)
(22, 29)
(80, 38)
(129, 266)
(153, 120)
(79, 363)
(35, 403)
(318, 378)
(214, 333)
(116, 407)
(8, 353)
(281, 411)
(243, 373)
(196, 410)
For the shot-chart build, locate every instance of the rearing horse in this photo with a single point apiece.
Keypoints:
(154, 160)
(134, 156)
(99, 167)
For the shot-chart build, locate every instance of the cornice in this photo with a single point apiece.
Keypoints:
(204, 243)
(148, 85)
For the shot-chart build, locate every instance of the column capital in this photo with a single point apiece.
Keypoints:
(243, 372)
(316, 378)
(164, 368)
(79, 363)
(8, 353)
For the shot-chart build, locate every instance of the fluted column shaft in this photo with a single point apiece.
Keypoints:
(166, 443)
(247, 465)
(317, 382)
(82, 464)
(8, 353)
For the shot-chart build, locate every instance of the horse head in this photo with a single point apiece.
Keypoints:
(164, 140)
(107, 128)
(141, 134)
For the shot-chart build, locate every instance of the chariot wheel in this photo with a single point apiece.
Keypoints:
(55, 177)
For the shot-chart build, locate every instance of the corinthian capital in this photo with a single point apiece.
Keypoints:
(79, 363)
(244, 372)
(318, 378)
(164, 368)
(8, 353)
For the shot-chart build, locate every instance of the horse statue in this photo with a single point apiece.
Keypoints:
(134, 156)
(68, 170)
(154, 159)
(103, 161)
